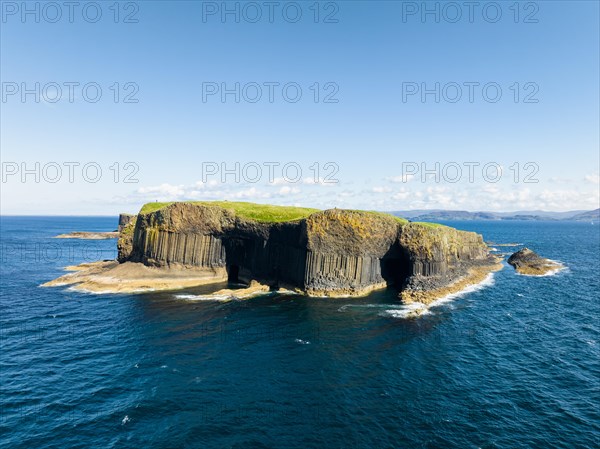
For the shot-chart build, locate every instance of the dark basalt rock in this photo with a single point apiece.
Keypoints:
(526, 261)
(125, 242)
(124, 220)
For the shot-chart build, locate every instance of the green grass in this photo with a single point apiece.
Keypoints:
(429, 225)
(385, 214)
(379, 214)
(151, 207)
(259, 212)
(262, 212)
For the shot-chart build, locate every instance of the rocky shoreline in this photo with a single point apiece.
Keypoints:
(427, 290)
(332, 253)
(128, 277)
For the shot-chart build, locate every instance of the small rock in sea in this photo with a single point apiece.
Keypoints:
(526, 261)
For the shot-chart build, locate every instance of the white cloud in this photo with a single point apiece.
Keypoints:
(251, 193)
(502, 196)
(321, 181)
(401, 195)
(163, 190)
(558, 179)
(306, 181)
(401, 179)
(279, 181)
(211, 184)
(593, 178)
(287, 190)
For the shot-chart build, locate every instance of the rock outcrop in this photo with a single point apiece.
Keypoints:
(327, 253)
(84, 235)
(125, 242)
(125, 219)
(526, 261)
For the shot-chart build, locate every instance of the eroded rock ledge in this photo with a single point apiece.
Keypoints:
(329, 253)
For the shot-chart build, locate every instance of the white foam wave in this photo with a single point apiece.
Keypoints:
(233, 296)
(418, 309)
(365, 306)
(559, 269)
(285, 291)
(488, 281)
(210, 297)
(412, 310)
(76, 288)
(302, 342)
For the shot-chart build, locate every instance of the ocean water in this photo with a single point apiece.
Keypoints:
(512, 364)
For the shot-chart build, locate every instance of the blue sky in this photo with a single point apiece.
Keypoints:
(375, 52)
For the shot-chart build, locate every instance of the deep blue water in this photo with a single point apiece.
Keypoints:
(513, 365)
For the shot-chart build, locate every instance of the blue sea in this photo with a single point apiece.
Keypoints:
(513, 364)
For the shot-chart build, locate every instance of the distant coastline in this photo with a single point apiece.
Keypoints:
(460, 215)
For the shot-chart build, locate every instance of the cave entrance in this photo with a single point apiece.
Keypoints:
(233, 273)
(394, 271)
(395, 267)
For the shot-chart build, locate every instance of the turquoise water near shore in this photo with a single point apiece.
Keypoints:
(513, 364)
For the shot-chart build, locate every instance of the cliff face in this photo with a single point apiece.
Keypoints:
(433, 250)
(329, 253)
(125, 242)
(443, 261)
(351, 252)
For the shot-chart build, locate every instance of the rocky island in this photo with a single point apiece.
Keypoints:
(331, 253)
(124, 220)
(527, 262)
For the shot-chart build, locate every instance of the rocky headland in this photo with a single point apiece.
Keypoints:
(528, 262)
(331, 253)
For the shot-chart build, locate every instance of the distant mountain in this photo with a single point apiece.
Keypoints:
(590, 215)
(543, 214)
(451, 215)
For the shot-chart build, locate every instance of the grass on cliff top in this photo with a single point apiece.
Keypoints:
(429, 225)
(381, 214)
(262, 212)
(259, 212)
